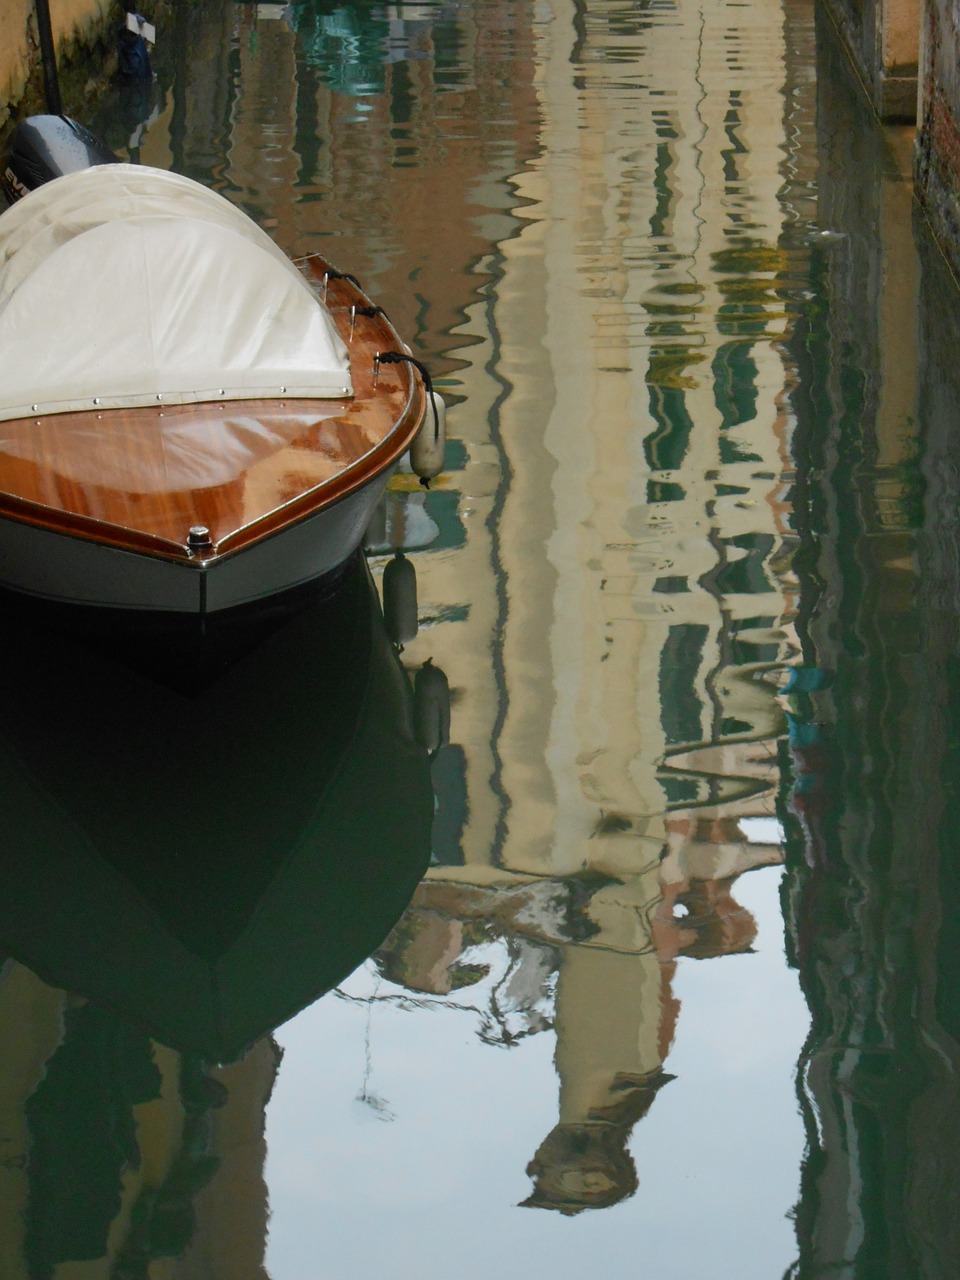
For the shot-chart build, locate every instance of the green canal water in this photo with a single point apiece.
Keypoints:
(648, 964)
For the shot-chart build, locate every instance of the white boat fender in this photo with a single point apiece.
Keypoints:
(431, 708)
(427, 450)
(400, 600)
(429, 444)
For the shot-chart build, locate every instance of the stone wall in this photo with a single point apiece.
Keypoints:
(906, 54)
(882, 38)
(76, 23)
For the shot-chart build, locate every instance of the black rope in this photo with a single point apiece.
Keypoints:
(401, 357)
(331, 274)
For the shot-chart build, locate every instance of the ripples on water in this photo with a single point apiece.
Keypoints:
(691, 579)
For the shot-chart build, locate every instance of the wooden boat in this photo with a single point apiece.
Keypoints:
(188, 421)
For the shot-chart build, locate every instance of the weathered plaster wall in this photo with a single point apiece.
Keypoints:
(882, 39)
(937, 156)
(74, 22)
(14, 49)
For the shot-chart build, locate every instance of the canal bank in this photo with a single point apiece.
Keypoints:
(904, 55)
(83, 36)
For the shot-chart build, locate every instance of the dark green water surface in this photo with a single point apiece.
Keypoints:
(649, 964)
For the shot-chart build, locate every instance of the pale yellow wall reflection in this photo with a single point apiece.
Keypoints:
(641, 549)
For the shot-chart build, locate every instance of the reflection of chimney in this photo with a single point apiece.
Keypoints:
(589, 1166)
(712, 849)
(710, 830)
(705, 856)
(422, 951)
(581, 1166)
(611, 1010)
(720, 925)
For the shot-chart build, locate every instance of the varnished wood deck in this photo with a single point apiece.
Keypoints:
(138, 479)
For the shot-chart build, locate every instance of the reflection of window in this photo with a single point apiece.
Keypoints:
(746, 575)
(750, 642)
(735, 383)
(731, 175)
(664, 491)
(673, 585)
(731, 451)
(449, 773)
(731, 727)
(667, 446)
(680, 661)
(661, 184)
(680, 791)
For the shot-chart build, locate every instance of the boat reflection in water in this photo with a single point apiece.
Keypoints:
(192, 867)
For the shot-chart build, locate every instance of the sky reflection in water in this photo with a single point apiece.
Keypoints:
(666, 279)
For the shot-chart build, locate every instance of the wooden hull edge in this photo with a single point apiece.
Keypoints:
(60, 567)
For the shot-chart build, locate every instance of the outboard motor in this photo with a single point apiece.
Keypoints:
(44, 147)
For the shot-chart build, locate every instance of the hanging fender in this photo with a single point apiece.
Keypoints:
(427, 450)
(400, 600)
(431, 708)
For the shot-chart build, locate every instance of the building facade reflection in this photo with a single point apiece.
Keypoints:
(615, 676)
(121, 1155)
(871, 824)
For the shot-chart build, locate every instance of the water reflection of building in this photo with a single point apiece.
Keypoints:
(640, 530)
(408, 191)
(118, 1152)
(623, 722)
(872, 868)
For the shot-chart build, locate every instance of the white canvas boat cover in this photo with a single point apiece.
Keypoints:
(123, 285)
